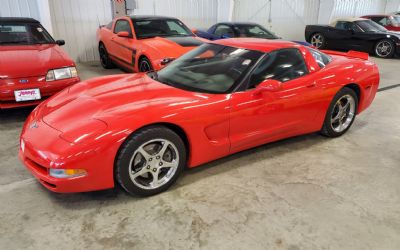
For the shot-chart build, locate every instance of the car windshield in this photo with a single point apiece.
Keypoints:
(253, 30)
(160, 27)
(24, 34)
(370, 26)
(395, 21)
(210, 68)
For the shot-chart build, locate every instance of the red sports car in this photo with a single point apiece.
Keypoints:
(141, 130)
(32, 65)
(390, 22)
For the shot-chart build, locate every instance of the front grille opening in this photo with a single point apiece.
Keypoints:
(48, 184)
(36, 166)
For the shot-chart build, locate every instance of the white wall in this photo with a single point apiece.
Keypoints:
(287, 18)
(76, 21)
(19, 8)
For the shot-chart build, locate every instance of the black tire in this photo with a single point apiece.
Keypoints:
(125, 160)
(105, 60)
(390, 49)
(328, 127)
(318, 40)
(145, 65)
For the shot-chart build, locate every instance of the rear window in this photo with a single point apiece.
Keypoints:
(321, 58)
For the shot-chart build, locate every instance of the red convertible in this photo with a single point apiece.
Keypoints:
(141, 130)
(32, 64)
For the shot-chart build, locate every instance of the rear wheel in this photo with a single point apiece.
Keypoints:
(341, 113)
(145, 65)
(318, 40)
(104, 58)
(150, 161)
(384, 49)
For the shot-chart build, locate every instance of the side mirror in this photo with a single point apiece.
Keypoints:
(194, 31)
(123, 34)
(269, 85)
(60, 42)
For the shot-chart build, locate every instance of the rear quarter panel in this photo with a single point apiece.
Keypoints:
(343, 71)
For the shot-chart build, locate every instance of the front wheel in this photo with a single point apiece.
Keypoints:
(341, 113)
(150, 161)
(145, 65)
(384, 49)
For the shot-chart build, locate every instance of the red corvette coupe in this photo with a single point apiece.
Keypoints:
(32, 65)
(141, 130)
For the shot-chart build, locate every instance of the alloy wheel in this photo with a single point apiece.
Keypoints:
(317, 40)
(343, 113)
(144, 66)
(384, 48)
(154, 164)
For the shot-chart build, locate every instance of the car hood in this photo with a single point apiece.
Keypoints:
(173, 46)
(31, 60)
(94, 103)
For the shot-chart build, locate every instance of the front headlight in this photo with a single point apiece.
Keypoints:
(63, 73)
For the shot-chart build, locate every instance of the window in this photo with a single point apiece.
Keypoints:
(160, 27)
(122, 25)
(344, 25)
(250, 30)
(321, 58)
(281, 65)
(20, 33)
(210, 68)
(224, 30)
(384, 21)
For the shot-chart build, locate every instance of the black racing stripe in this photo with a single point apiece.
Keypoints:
(389, 87)
(120, 59)
(185, 41)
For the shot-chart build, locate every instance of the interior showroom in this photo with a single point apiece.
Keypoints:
(200, 124)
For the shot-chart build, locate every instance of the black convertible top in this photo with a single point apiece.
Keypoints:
(17, 20)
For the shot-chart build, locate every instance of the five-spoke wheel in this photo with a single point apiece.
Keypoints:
(150, 160)
(341, 113)
(318, 41)
(384, 49)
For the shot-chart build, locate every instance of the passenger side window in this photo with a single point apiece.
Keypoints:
(281, 65)
(224, 30)
(122, 25)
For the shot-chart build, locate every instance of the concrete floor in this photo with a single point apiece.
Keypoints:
(308, 192)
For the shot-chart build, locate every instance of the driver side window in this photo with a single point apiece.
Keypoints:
(281, 65)
(224, 30)
(122, 25)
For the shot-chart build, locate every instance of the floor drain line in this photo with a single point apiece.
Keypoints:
(389, 87)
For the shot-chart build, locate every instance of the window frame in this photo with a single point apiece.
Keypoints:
(123, 20)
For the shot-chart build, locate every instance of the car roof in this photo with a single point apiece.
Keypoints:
(259, 44)
(346, 19)
(18, 20)
(150, 17)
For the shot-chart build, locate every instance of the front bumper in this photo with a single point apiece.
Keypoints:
(47, 89)
(44, 149)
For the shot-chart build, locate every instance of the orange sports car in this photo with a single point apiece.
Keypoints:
(144, 43)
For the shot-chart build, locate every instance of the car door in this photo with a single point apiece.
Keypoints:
(259, 117)
(342, 36)
(124, 46)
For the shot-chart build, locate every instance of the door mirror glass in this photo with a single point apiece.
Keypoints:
(123, 34)
(269, 85)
